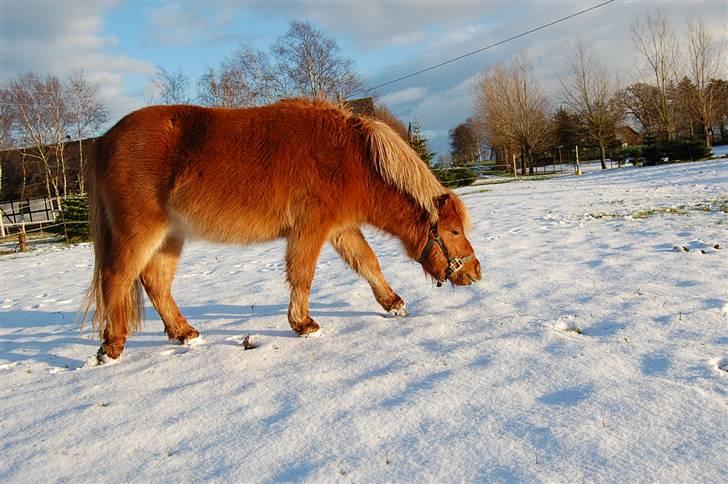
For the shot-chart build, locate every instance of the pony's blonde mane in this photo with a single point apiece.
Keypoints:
(400, 166)
(392, 157)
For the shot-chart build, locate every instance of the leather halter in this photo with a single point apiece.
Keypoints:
(454, 263)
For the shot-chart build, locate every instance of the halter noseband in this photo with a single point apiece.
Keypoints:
(454, 263)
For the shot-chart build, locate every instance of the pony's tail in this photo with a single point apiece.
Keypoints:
(101, 236)
(400, 166)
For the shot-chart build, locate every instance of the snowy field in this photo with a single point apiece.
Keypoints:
(595, 349)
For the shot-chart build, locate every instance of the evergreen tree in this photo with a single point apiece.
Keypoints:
(418, 142)
(74, 222)
(448, 176)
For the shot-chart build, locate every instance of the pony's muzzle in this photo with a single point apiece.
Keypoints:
(467, 274)
(475, 275)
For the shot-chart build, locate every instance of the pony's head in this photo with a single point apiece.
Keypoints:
(447, 254)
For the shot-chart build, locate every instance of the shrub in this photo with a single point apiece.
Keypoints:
(675, 150)
(456, 177)
(631, 153)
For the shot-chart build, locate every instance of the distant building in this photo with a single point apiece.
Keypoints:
(364, 106)
(628, 136)
(23, 163)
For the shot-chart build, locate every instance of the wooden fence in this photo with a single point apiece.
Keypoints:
(25, 213)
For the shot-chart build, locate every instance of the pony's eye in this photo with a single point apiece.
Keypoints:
(456, 233)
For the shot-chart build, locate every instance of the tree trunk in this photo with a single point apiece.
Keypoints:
(523, 164)
(604, 155)
(80, 166)
(708, 132)
(24, 170)
(529, 157)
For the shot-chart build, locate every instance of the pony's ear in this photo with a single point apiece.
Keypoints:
(442, 201)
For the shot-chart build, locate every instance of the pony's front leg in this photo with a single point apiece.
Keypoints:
(301, 256)
(358, 254)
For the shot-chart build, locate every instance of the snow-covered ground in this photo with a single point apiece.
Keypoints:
(594, 350)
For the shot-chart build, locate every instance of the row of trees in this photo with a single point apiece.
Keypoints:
(680, 93)
(39, 116)
(302, 62)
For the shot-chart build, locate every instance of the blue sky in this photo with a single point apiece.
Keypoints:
(119, 43)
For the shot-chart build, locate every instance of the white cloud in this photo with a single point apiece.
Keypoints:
(404, 96)
(606, 32)
(407, 38)
(57, 38)
(457, 36)
(181, 25)
(374, 24)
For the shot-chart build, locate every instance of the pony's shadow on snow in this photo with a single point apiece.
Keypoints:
(243, 313)
(25, 340)
(62, 328)
(240, 318)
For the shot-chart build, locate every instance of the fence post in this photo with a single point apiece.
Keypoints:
(23, 239)
(578, 166)
(2, 224)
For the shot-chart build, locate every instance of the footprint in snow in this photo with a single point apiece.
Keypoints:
(720, 364)
(177, 351)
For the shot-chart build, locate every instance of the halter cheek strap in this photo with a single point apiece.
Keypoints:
(454, 263)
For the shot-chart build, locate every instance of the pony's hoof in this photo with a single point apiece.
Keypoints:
(101, 358)
(313, 334)
(191, 338)
(112, 350)
(399, 312)
(191, 341)
(308, 329)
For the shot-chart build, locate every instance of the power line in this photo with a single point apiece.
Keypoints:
(522, 34)
(454, 59)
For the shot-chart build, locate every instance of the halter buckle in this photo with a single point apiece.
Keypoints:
(456, 264)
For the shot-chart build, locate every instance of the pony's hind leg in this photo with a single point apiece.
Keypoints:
(301, 256)
(122, 292)
(157, 279)
(356, 252)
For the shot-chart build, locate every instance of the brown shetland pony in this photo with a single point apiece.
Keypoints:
(306, 171)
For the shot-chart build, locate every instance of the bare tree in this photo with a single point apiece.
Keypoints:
(720, 105)
(171, 87)
(86, 115)
(303, 62)
(7, 125)
(42, 118)
(637, 101)
(244, 79)
(464, 144)
(512, 110)
(704, 62)
(655, 41)
(311, 64)
(7, 119)
(588, 91)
